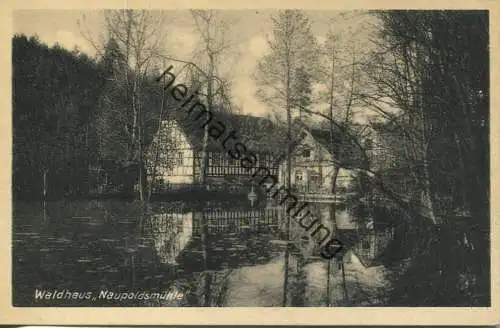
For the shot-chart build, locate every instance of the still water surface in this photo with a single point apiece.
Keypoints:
(216, 255)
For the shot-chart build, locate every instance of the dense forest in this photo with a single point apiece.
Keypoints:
(69, 116)
(55, 95)
(74, 115)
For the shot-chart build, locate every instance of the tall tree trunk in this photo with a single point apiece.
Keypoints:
(334, 149)
(286, 273)
(336, 169)
(288, 170)
(204, 152)
(142, 181)
(206, 258)
(344, 285)
(140, 150)
(328, 269)
(427, 193)
(158, 143)
(45, 183)
(427, 197)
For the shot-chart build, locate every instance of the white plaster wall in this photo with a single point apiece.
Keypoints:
(186, 167)
(178, 174)
(319, 162)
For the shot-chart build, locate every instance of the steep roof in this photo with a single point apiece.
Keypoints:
(261, 135)
(258, 134)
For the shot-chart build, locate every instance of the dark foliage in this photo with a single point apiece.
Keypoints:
(447, 263)
(54, 104)
(72, 113)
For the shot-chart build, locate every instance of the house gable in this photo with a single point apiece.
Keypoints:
(312, 165)
(173, 153)
(182, 138)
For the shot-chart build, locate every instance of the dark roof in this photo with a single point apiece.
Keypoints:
(258, 134)
(261, 135)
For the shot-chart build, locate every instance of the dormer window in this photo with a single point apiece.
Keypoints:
(306, 153)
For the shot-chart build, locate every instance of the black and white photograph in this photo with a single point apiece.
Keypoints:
(250, 158)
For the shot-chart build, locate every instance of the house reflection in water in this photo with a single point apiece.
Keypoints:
(214, 249)
(365, 242)
(238, 257)
(361, 238)
(221, 255)
(171, 232)
(232, 238)
(183, 237)
(359, 277)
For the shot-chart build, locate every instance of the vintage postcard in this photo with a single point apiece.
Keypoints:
(300, 163)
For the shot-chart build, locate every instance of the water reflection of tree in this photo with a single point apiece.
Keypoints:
(294, 277)
(300, 283)
(170, 231)
(206, 255)
(216, 251)
(221, 247)
(212, 285)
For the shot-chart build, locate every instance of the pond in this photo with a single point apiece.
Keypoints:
(117, 253)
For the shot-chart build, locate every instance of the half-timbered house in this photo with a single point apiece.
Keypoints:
(175, 155)
(313, 165)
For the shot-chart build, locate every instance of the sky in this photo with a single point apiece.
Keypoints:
(247, 32)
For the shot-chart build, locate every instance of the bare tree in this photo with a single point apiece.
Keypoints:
(340, 73)
(292, 46)
(431, 68)
(136, 35)
(356, 79)
(211, 28)
(398, 74)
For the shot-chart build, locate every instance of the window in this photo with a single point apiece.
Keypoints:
(314, 177)
(366, 244)
(179, 159)
(216, 159)
(298, 176)
(306, 153)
